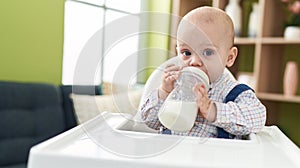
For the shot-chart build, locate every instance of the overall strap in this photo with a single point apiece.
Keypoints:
(232, 95)
(236, 91)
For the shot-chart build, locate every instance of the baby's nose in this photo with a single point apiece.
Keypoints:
(196, 61)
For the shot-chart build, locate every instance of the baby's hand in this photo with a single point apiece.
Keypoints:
(170, 75)
(207, 108)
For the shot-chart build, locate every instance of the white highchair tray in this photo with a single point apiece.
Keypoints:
(113, 140)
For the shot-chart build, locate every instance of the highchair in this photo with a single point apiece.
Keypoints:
(120, 140)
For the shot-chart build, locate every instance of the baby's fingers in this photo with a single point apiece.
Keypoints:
(172, 67)
(199, 89)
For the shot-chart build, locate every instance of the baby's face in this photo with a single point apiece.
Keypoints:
(201, 47)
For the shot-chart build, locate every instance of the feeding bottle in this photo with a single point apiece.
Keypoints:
(179, 111)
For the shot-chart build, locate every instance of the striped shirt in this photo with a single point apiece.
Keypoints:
(243, 116)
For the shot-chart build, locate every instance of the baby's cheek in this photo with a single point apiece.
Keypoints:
(214, 68)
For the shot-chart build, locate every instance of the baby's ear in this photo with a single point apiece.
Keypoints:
(232, 56)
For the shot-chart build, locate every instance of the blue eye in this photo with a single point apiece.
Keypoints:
(186, 53)
(208, 52)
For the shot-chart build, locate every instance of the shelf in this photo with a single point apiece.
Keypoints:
(263, 55)
(279, 40)
(278, 97)
(265, 40)
(244, 40)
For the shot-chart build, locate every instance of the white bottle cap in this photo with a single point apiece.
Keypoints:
(200, 73)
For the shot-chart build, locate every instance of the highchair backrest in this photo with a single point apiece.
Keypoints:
(154, 79)
(153, 82)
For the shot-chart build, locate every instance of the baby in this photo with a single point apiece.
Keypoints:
(205, 38)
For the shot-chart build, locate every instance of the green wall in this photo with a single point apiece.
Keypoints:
(31, 40)
(156, 40)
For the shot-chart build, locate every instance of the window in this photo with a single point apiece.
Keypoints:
(100, 41)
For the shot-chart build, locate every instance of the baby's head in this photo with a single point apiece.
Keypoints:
(205, 39)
